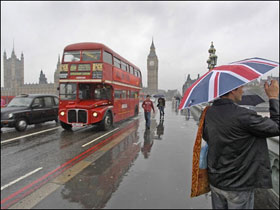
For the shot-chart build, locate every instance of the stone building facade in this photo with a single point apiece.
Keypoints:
(14, 78)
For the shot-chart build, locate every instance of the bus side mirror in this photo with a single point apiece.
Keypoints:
(57, 88)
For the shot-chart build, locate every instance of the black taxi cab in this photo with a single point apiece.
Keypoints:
(28, 109)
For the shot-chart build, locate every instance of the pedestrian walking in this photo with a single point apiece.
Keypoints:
(161, 106)
(238, 159)
(147, 105)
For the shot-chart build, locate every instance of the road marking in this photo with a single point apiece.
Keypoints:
(30, 188)
(20, 178)
(34, 198)
(71, 172)
(99, 137)
(13, 139)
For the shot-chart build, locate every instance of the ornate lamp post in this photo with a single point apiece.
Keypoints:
(212, 60)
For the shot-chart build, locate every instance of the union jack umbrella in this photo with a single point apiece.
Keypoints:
(225, 78)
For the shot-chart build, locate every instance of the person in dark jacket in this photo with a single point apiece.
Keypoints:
(238, 160)
(161, 105)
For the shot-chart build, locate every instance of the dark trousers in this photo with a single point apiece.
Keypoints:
(161, 111)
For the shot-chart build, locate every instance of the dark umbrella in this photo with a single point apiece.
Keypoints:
(252, 100)
(158, 96)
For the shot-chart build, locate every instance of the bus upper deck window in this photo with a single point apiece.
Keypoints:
(72, 56)
(91, 55)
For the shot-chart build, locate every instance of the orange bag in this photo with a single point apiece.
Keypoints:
(200, 184)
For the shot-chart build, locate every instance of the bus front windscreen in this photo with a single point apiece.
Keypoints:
(72, 56)
(91, 55)
(68, 91)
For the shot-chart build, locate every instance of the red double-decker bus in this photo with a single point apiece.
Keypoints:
(96, 86)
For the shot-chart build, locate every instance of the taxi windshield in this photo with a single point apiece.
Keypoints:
(20, 102)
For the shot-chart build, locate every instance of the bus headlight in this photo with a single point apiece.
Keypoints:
(94, 114)
(62, 113)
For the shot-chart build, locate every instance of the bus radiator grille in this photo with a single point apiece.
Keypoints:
(82, 116)
(72, 116)
(77, 116)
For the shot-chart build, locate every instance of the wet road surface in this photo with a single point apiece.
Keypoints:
(134, 168)
(126, 167)
(153, 173)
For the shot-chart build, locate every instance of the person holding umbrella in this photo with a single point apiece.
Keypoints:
(238, 160)
(161, 105)
(238, 157)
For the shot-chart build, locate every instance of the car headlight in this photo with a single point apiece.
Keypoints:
(62, 113)
(10, 115)
(94, 114)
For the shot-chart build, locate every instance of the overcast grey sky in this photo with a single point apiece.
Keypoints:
(182, 33)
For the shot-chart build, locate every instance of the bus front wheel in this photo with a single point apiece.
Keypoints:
(107, 122)
(66, 126)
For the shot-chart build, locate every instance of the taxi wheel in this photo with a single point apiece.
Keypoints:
(107, 122)
(21, 124)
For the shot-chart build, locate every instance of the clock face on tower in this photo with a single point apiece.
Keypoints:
(152, 63)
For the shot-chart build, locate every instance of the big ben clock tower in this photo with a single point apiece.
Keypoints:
(152, 67)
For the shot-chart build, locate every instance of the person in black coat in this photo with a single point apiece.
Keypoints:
(238, 160)
(161, 105)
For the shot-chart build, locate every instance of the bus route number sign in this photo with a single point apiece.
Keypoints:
(97, 67)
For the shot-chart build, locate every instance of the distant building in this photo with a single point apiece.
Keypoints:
(269, 78)
(42, 78)
(13, 70)
(152, 77)
(14, 78)
(172, 93)
(188, 83)
(152, 70)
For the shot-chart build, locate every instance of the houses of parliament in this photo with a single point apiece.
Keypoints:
(14, 78)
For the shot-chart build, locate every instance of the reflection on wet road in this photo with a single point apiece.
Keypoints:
(127, 167)
(93, 187)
